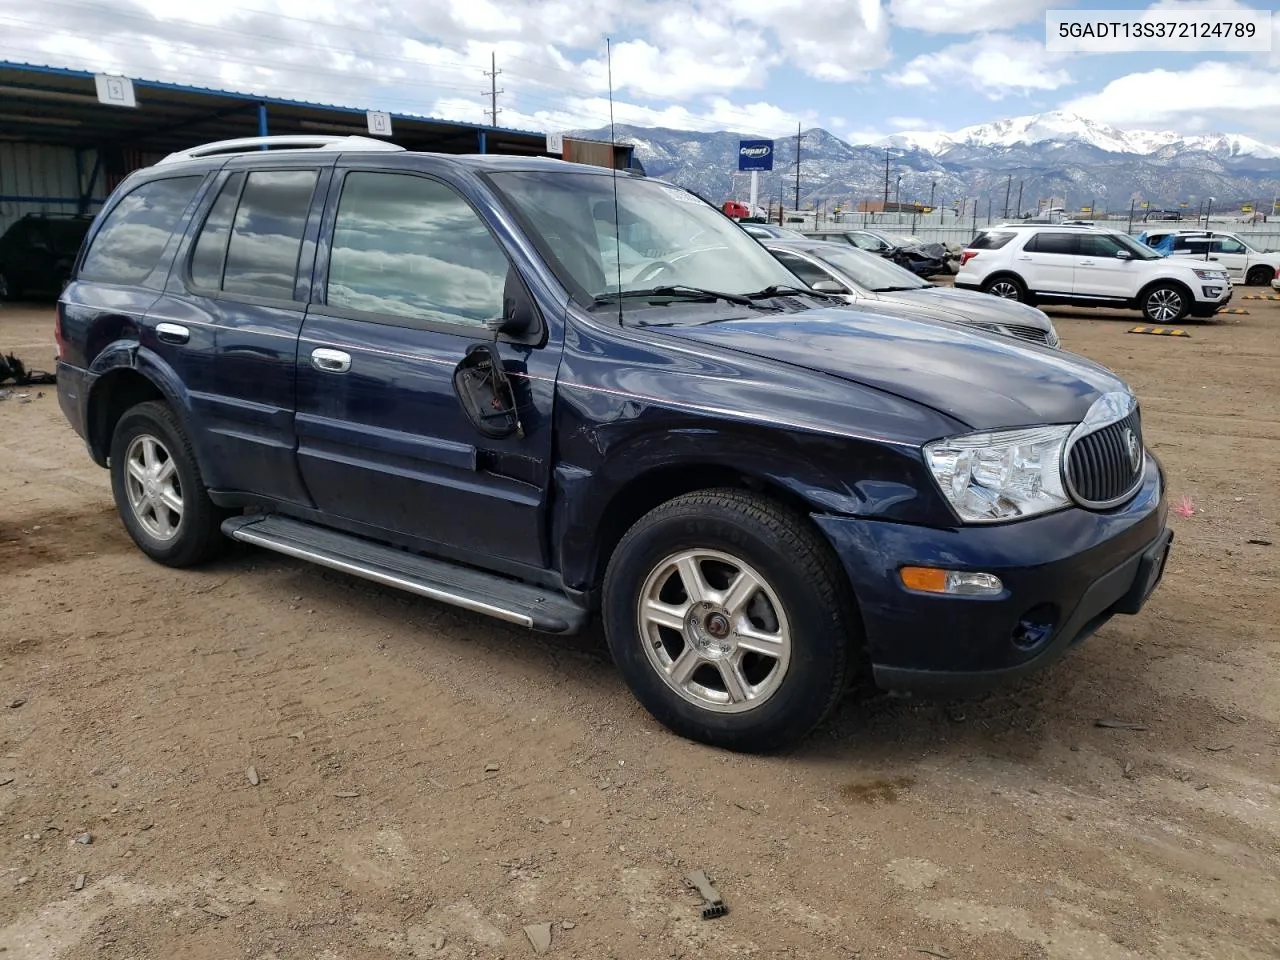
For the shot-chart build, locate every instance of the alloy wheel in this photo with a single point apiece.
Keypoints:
(714, 630)
(1004, 289)
(154, 487)
(1164, 305)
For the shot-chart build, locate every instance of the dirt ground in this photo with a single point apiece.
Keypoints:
(430, 782)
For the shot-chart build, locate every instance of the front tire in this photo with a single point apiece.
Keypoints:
(1006, 288)
(158, 489)
(1259, 277)
(1165, 303)
(730, 620)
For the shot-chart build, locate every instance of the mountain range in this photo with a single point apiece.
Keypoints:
(1071, 159)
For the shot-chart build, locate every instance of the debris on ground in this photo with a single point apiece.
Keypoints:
(714, 905)
(1118, 725)
(252, 774)
(1185, 508)
(346, 794)
(539, 935)
(84, 839)
(78, 884)
(490, 768)
(16, 703)
(940, 954)
(1260, 541)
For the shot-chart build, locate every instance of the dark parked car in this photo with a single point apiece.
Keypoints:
(765, 231)
(875, 283)
(423, 370)
(37, 251)
(922, 259)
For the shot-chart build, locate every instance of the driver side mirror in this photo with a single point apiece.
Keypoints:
(828, 286)
(1123, 255)
(518, 314)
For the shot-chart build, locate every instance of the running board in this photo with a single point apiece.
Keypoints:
(487, 593)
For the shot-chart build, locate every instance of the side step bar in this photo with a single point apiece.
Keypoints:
(496, 596)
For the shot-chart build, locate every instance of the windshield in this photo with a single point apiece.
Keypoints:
(669, 238)
(868, 270)
(1139, 250)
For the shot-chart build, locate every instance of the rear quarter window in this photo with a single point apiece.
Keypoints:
(992, 240)
(128, 245)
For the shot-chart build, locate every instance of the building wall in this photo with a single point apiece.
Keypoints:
(33, 177)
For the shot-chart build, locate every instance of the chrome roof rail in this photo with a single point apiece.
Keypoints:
(243, 145)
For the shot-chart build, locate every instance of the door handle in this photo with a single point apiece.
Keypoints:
(172, 332)
(330, 361)
(1024, 258)
(1087, 263)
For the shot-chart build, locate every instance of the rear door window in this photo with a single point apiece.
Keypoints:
(266, 234)
(1062, 244)
(1096, 245)
(131, 240)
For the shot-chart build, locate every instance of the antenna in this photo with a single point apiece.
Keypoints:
(613, 164)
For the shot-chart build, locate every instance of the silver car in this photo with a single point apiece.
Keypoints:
(868, 280)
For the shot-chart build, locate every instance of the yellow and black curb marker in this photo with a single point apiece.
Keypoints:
(1233, 311)
(1162, 331)
(1260, 296)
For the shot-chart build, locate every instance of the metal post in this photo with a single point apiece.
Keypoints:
(797, 168)
(933, 187)
(1018, 212)
(989, 210)
(262, 122)
(1008, 188)
(886, 179)
(755, 190)
(1132, 204)
(975, 216)
(483, 141)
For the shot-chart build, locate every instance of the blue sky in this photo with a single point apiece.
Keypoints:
(860, 68)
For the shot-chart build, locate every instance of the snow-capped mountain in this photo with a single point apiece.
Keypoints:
(1054, 155)
(1061, 127)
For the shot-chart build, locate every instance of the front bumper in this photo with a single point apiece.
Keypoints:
(1064, 575)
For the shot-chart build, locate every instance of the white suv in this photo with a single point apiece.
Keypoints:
(1090, 267)
(1245, 262)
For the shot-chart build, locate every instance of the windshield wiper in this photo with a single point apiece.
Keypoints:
(674, 291)
(781, 289)
(899, 289)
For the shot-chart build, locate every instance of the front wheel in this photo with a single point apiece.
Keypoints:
(1165, 304)
(1259, 277)
(158, 489)
(730, 620)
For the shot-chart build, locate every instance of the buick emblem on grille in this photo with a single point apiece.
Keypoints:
(1134, 447)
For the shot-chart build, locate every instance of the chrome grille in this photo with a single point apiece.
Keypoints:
(1022, 332)
(1100, 468)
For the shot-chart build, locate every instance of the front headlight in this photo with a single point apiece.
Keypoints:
(1001, 475)
(1211, 274)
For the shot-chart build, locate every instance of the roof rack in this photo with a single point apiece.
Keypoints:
(251, 144)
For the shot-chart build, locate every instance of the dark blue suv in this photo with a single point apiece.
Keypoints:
(541, 391)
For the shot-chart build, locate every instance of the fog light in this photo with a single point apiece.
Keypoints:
(955, 582)
(1211, 291)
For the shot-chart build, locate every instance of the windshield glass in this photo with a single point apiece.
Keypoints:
(669, 237)
(870, 271)
(1139, 250)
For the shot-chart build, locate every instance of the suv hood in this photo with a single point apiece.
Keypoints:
(984, 381)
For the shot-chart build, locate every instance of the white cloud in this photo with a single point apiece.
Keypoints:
(907, 123)
(968, 16)
(995, 65)
(1212, 95)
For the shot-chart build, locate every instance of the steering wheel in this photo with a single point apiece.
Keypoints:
(652, 271)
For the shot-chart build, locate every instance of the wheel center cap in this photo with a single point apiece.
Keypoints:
(710, 631)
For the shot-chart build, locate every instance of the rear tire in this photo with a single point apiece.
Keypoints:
(1006, 288)
(1259, 277)
(730, 620)
(1165, 303)
(158, 489)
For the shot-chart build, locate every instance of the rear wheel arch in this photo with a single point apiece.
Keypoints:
(1027, 295)
(113, 395)
(1259, 275)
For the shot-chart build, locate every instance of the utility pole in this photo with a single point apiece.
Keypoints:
(897, 198)
(933, 187)
(1132, 204)
(797, 167)
(492, 74)
(1008, 188)
(988, 209)
(1019, 211)
(886, 181)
